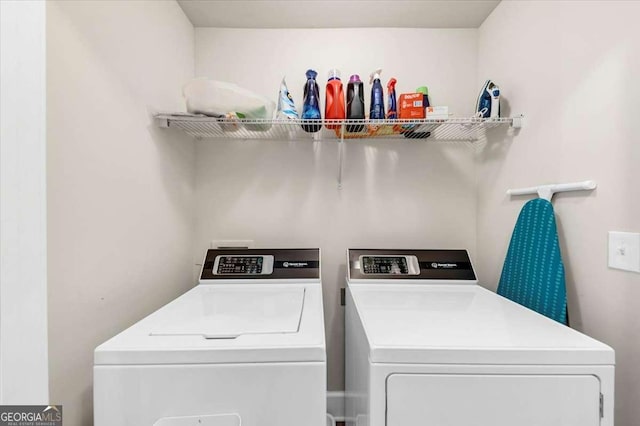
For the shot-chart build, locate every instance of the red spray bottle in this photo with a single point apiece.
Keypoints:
(392, 112)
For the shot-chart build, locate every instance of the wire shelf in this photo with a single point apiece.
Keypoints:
(451, 129)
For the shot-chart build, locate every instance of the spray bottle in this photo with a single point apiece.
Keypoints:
(311, 105)
(392, 112)
(376, 111)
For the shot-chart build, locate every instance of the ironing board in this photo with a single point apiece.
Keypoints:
(533, 272)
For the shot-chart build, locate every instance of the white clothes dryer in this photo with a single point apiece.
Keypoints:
(426, 345)
(244, 347)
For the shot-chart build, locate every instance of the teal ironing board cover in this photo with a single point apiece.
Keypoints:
(533, 272)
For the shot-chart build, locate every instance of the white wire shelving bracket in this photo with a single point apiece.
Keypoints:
(452, 129)
(546, 191)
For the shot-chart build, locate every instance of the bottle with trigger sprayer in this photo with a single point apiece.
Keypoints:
(392, 112)
(376, 111)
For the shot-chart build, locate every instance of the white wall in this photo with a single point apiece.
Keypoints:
(23, 262)
(395, 193)
(572, 68)
(121, 191)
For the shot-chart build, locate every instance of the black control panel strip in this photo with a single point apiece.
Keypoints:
(246, 264)
(433, 264)
(436, 264)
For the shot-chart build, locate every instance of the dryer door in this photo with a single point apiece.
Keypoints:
(495, 400)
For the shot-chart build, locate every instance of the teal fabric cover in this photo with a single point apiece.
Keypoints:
(533, 273)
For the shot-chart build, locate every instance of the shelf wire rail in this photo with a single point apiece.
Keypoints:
(343, 131)
(451, 129)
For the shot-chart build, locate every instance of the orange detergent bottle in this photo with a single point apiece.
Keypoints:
(334, 105)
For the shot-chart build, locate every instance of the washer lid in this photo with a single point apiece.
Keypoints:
(233, 323)
(452, 324)
(227, 313)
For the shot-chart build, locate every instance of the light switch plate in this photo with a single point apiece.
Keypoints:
(624, 251)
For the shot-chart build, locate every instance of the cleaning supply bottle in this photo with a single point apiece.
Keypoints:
(355, 103)
(311, 104)
(392, 112)
(334, 106)
(411, 134)
(425, 95)
(286, 107)
(376, 111)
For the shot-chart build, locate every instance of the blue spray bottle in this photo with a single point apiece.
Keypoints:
(377, 96)
(311, 105)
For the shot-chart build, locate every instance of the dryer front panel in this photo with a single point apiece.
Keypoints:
(492, 399)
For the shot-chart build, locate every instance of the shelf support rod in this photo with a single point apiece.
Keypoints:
(341, 155)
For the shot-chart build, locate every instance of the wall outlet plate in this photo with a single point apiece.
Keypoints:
(222, 244)
(624, 251)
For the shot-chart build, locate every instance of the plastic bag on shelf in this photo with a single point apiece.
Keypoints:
(219, 98)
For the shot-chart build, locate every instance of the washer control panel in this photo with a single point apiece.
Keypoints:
(389, 265)
(227, 265)
(238, 264)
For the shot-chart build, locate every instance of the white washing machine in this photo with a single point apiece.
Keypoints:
(244, 347)
(426, 345)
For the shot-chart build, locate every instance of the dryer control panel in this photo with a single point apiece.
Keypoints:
(393, 264)
(389, 265)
